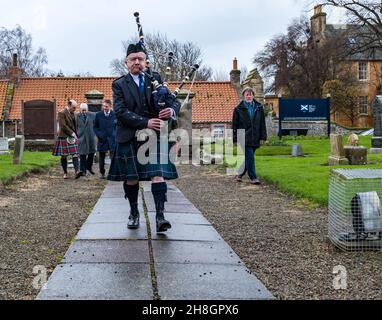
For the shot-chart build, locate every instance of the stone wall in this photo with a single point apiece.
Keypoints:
(315, 128)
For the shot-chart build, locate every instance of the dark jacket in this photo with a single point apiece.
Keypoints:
(67, 124)
(104, 128)
(255, 129)
(131, 116)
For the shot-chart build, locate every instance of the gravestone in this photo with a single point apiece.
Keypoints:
(297, 150)
(94, 100)
(376, 143)
(357, 155)
(4, 146)
(19, 150)
(337, 156)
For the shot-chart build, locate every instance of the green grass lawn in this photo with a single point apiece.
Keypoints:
(31, 161)
(307, 177)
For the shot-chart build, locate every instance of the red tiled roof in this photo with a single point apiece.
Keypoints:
(213, 102)
(3, 94)
(59, 89)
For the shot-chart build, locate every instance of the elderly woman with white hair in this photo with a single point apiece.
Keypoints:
(86, 139)
(249, 116)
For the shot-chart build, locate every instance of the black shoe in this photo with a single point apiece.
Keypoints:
(79, 175)
(134, 218)
(162, 224)
(91, 172)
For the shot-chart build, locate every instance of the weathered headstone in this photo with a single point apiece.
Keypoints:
(4, 146)
(337, 156)
(376, 143)
(19, 150)
(297, 150)
(356, 155)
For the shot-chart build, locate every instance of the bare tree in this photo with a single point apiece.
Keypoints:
(244, 73)
(158, 46)
(365, 16)
(220, 75)
(32, 63)
(298, 66)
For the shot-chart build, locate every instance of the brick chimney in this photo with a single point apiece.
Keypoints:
(235, 76)
(318, 22)
(14, 73)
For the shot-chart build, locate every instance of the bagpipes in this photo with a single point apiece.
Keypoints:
(163, 97)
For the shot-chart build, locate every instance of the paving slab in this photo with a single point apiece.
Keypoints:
(186, 252)
(175, 208)
(99, 282)
(184, 218)
(183, 232)
(117, 203)
(173, 198)
(108, 251)
(108, 261)
(111, 231)
(208, 282)
(109, 217)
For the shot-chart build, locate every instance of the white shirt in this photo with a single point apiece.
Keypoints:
(136, 78)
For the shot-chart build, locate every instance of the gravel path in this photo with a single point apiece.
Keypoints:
(282, 240)
(37, 225)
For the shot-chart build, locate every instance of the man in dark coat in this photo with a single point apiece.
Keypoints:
(249, 116)
(136, 109)
(104, 128)
(86, 139)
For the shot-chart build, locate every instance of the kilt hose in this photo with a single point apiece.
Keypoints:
(125, 165)
(63, 149)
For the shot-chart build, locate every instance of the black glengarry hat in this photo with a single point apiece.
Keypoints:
(134, 48)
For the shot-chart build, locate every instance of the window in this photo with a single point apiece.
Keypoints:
(219, 132)
(363, 70)
(363, 105)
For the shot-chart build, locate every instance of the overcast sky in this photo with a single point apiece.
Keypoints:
(84, 36)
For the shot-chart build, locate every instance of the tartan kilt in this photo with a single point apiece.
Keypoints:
(125, 165)
(63, 148)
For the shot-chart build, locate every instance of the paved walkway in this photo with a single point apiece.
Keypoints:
(190, 262)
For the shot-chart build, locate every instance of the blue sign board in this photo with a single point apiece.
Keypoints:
(304, 110)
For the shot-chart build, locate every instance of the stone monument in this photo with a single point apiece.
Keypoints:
(297, 151)
(19, 150)
(337, 156)
(94, 100)
(376, 143)
(357, 155)
(4, 146)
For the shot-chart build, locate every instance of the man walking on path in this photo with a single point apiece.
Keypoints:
(86, 139)
(67, 142)
(249, 116)
(136, 109)
(104, 128)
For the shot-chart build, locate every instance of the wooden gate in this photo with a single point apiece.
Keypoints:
(39, 120)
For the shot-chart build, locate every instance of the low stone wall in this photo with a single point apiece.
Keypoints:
(315, 128)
